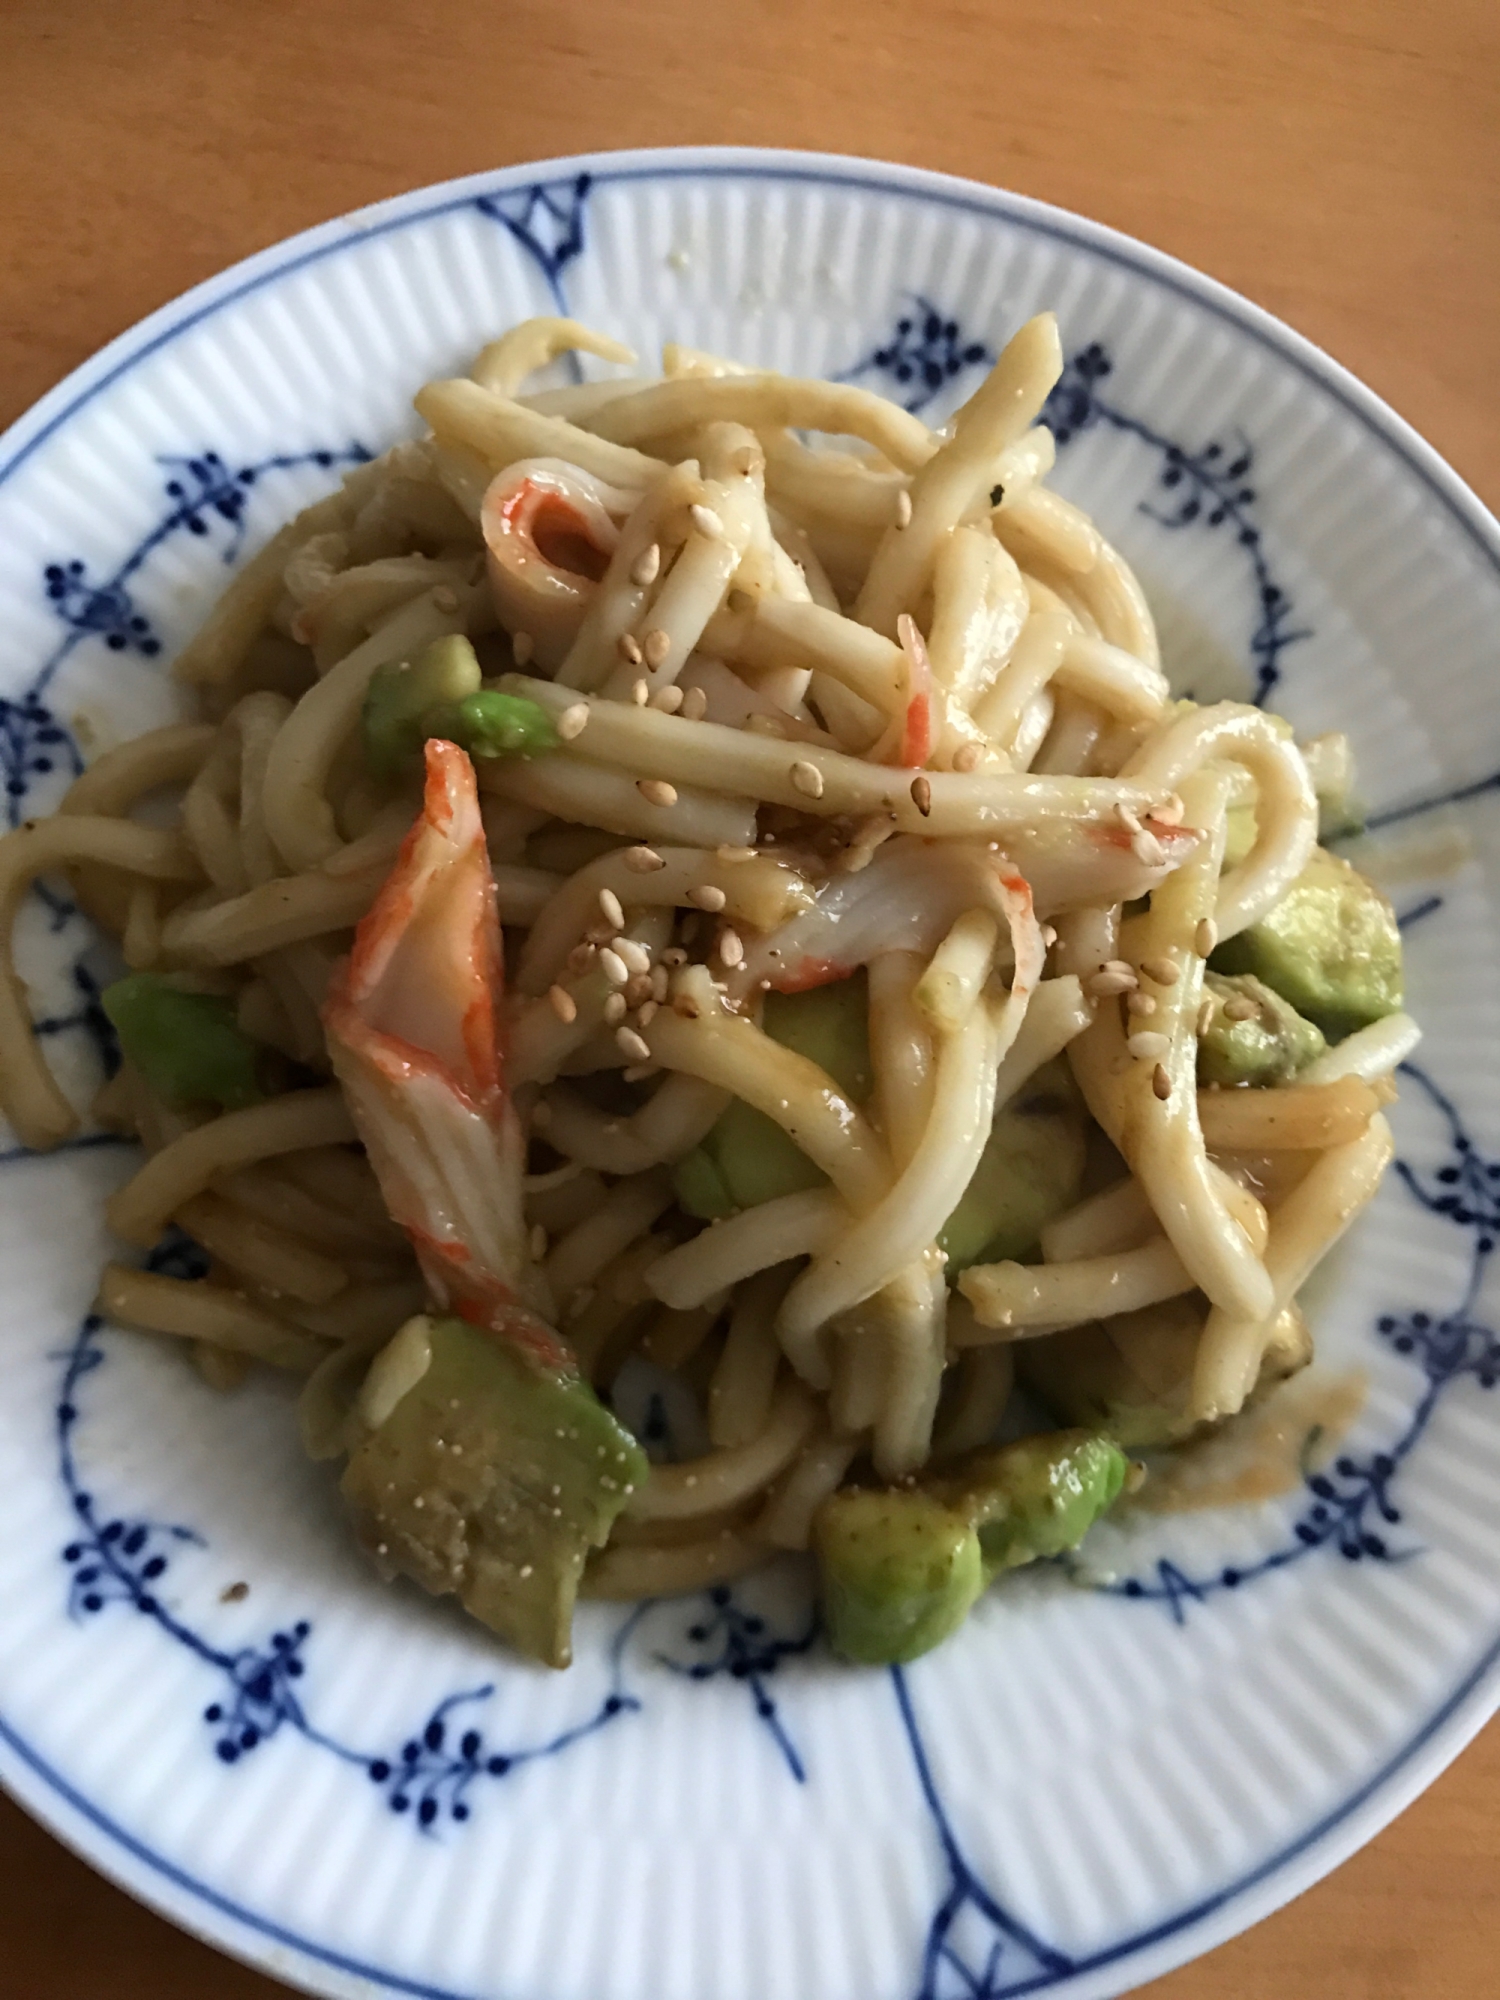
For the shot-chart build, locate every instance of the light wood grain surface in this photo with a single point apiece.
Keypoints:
(1338, 163)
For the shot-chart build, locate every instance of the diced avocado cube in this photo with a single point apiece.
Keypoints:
(753, 1158)
(401, 693)
(1029, 1171)
(493, 1480)
(1266, 1046)
(1132, 1375)
(830, 1026)
(490, 724)
(187, 1046)
(1129, 1375)
(1037, 1497)
(1330, 947)
(699, 1186)
(899, 1572)
(756, 1159)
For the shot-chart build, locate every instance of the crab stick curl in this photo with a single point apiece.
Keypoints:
(945, 489)
(550, 531)
(1286, 811)
(412, 1019)
(505, 363)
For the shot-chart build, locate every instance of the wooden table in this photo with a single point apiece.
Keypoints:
(1339, 163)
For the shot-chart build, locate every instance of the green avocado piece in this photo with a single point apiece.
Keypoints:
(187, 1046)
(490, 724)
(1269, 1047)
(899, 1573)
(1330, 947)
(492, 1479)
(1030, 1171)
(900, 1570)
(751, 1158)
(1131, 1376)
(1034, 1498)
(699, 1186)
(400, 694)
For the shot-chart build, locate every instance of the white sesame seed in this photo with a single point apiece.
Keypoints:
(706, 521)
(638, 990)
(655, 646)
(903, 509)
(1110, 981)
(522, 645)
(613, 966)
(1128, 819)
(1148, 850)
(638, 1072)
(1139, 1003)
(732, 854)
(673, 956)
(1049, 935)
(1148, 1047)
(921, 794)
(707, 896)
(564, 1006)
(668, 700)
(1162, 970)
(966, 757)
(629, 648)
(807, 778)
(614, 1009)
(642, 860)
(1171, 810)
(731, 950)
(647, 566)
(759, 724)
(633, 953)
(444, 598)
(640, 693)
(1205, 1016)
(1161, 1083)
(1205, 937)
(1241, 1008)
(581, 957)
(573, 721)
(609, 905)
(656, 791)
(661, 979)
(647, 1013)
(629, 1043)
(694, 705)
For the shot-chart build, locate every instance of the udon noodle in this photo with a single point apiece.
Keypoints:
(884, 712)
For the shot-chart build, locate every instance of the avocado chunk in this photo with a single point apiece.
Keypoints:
(899, 1573)
(1330, 947)
(747, 1158)
(901, 1570)
(1030, 1170)
(1037, 1497)
(187, 1047)
(1267, 1046)
(1131, 1376)
(491, 1479)
(400, 694)
(438, 693)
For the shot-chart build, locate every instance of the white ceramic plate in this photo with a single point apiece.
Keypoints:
(350, 1786)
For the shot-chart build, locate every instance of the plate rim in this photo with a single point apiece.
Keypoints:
(127, 1860)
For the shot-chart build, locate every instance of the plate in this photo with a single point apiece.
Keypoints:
(1109, 1770)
